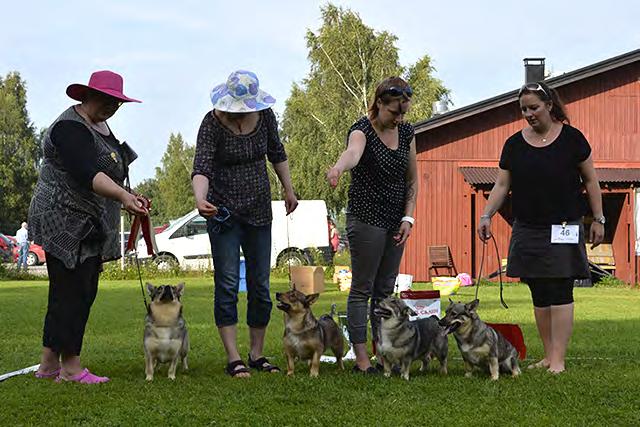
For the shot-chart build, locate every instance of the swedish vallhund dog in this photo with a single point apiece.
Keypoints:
(305, 337)
(165, 332)
(482, 347)
(401, 341)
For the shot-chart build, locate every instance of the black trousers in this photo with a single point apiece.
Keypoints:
(71, 294)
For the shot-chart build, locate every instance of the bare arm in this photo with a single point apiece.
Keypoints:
(349, 157)
(200, 184)
(496, 199)
(411, 195)
(412, 181)
(105, 186)
(290, 199)
(591, 184)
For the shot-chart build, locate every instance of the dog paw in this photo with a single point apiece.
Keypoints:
(172, 377)
(149, 378)
(290, 374)
(468, 375)
(387, 374)
(495, 377)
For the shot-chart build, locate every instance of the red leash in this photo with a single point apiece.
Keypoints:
(142, 223)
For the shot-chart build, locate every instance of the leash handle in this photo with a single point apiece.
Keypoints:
(495, 244)
(484, 245)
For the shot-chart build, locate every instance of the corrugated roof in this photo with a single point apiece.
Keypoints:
(485, 176)
(512, 96)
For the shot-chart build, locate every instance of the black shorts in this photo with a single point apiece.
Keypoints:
(546, 292)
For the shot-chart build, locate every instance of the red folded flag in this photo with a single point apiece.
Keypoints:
(143, 223)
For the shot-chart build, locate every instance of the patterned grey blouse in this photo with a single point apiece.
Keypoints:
(66, 217)
(237, 168)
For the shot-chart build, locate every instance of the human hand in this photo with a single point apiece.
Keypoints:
(403, 233)
(333, 176)
(484, 229)
(596, 234)
(290, 202)
(135, 204)
(205, 208)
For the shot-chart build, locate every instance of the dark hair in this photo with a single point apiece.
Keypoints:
(386, 98)
(547, 94)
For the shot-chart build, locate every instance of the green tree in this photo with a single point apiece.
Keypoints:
(347, 61)
(20, 153)
(173, 195)
(420, 77)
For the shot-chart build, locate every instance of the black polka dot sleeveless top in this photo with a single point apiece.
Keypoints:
(378, 188)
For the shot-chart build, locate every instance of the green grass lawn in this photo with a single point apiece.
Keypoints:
(600, 387)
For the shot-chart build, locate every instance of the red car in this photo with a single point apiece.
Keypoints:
(35, 256)
(6, 249)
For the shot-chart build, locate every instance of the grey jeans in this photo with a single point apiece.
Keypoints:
(375, 261)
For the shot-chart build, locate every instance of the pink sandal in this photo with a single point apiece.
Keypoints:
(47, 375)
(84, 377)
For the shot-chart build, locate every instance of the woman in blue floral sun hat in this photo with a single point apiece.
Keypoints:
(232, 190)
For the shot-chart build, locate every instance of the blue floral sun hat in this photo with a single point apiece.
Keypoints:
(241, 94)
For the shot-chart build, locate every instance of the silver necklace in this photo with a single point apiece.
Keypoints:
(544, 138)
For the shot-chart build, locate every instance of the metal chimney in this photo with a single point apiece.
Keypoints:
(440, 106)
(533, 70)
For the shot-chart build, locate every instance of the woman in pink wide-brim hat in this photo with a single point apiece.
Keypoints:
(75, 216)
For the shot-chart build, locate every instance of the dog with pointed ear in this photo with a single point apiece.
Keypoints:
(482, 347)
(165, 338)
(306, 337)
(401, 341)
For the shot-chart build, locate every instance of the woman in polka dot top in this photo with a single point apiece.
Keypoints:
(381, 155)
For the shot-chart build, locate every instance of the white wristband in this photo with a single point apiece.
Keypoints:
(411, 220)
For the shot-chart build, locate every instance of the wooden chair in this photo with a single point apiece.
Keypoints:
(440, 257)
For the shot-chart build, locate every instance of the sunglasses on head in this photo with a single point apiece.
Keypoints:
(398, 91)
(533, 87)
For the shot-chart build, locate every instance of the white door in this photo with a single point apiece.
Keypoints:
(190, 243)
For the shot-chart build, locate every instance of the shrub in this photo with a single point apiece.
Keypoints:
(14, 274)
(611, 282)
(342, 257)
(148, 270)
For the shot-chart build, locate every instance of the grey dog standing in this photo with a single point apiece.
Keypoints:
(401, 341)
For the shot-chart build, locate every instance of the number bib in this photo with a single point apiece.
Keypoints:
(563, 233)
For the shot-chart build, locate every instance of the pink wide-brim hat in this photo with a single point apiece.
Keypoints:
(107, 82)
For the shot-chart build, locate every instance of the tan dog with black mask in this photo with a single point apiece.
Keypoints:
(165, 333)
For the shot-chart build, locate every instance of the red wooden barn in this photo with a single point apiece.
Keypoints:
(458, 154)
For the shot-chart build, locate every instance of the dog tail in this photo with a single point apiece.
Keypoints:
(333, 310)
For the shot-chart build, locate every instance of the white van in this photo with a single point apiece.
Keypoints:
(186, 241)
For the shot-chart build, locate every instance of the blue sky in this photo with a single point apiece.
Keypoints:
(172, 53)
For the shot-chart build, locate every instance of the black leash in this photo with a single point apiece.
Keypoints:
(135, 249)
(495, 244)
(286, 218)
(144, 296)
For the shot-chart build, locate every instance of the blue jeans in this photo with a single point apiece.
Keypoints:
(22, 257)
(256, 247)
